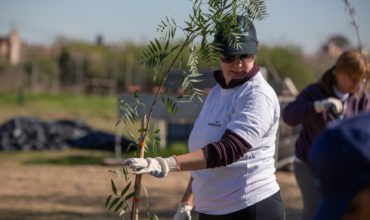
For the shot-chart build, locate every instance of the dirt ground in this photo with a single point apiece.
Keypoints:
(47, 192)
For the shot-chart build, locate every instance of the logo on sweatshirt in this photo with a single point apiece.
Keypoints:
(215, 124)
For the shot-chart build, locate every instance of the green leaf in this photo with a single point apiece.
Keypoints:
(127, 187)
(119, 206)
(174, 48)
(114, 202)
(158, 44)
(125, 172)
(130, 145)
(154, 217)
(163, 100)
(198, 91)
(142, 130)
(152, 47)
(108, 200)
(196, 80)
(129, 196)
(200, 98)
(136, 95)
(131, 135)
(114, 188)
(185, 82)
(167, 44)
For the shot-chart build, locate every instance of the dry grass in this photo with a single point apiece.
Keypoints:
(60, 192)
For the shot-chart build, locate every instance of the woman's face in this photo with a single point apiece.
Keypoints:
(348, 82)
(235, 67)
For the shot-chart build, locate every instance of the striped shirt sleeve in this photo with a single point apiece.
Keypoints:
(229, 149)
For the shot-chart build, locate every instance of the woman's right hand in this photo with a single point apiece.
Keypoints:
(183, 212)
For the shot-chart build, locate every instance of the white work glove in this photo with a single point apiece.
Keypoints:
(158, 167)
(327, 104)
(183, 212)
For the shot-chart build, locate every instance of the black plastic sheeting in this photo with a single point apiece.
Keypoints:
(29, 133)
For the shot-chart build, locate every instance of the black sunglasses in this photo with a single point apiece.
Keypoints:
(243, 57)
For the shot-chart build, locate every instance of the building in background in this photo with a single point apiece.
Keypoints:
(10, 47)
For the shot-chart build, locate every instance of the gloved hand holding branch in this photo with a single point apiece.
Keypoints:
(158, 167)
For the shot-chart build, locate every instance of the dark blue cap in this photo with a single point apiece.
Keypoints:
(247, 40)
(340, 162)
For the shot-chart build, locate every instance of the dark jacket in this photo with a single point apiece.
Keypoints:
(301, 111)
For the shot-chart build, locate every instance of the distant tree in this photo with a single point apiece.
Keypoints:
(81, 62)
(43, 72)
(66, 67)
(288, 61)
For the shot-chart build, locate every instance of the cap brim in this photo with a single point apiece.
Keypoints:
(331, 208)
(245, 48)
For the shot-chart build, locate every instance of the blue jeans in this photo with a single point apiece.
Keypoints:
(310, 195)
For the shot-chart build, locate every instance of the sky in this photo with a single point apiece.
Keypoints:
(304, 23)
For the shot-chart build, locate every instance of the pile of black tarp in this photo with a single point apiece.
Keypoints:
(29, 133)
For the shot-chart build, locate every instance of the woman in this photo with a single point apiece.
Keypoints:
(232, 143)
(339, 93)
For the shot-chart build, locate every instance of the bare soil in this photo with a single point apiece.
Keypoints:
(50, 192)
